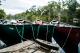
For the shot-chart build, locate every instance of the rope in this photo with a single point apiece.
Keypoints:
(21, 35)
(52, 34)
(53, 30)
(67, 37)
(33, 32)
(47, 33)
(38, 31)
(23, 31)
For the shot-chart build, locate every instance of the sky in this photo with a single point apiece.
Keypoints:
(17, 6)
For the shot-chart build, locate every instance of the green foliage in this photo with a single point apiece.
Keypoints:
(72, 8)
(51, 11)
(9, 17)
(78, 13)
(46, 13)
(2, 14)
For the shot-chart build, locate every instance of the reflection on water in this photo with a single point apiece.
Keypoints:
(79, 47)
(55, 44)
(2, 44)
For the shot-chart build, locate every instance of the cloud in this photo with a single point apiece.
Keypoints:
(18, 6)
(13, 11)
(78, 1)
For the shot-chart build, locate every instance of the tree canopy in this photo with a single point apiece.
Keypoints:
(2, 13)
(67, 10)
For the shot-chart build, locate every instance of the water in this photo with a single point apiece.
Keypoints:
(79, 47)
(2, 44)
(55, 44)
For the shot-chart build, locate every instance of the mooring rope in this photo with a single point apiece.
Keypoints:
(53, 30)
(32, 32)
(21, 35)
(38, 31)
(67, 37)
(46, 32)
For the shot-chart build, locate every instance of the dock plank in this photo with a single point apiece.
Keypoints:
(17, 46)
(28, 46)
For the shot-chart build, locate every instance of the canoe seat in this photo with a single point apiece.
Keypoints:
(46, 44)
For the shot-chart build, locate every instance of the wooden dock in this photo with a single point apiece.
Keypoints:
(26, 47)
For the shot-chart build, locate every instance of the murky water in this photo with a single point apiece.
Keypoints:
(2, 44)
(55, 44)
(79, 47)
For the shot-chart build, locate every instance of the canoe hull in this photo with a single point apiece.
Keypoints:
(12, 34)
(68, 38)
